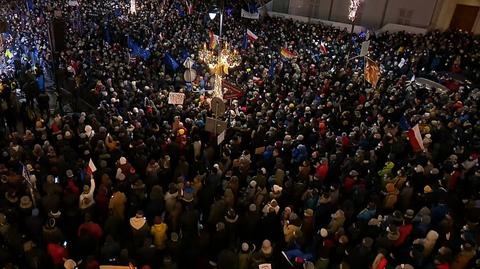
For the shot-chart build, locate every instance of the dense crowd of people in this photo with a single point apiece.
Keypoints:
(315, 171)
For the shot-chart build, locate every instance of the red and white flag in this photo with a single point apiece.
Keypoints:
(251, 36)
(91, 168)
(189, 7)
(415, 138)
(323, 48)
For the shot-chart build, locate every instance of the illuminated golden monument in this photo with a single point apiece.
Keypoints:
(219, 61)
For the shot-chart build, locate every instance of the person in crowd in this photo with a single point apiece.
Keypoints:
(318, 168)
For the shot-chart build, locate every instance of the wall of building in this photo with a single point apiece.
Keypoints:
(446, 10)
(431, 14)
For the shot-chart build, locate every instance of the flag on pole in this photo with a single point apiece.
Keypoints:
(91, 168)
(251, 36)
(25, 173)
(403, 123)
(30, 5)
(137, 50)
(287, 54)
(245, 41)
(213, 40)
(372, 72)
(415, 138)
(189, 7)
(271, 70)
(170, 62)
(106, 33)
(180, 10)
(323, 48)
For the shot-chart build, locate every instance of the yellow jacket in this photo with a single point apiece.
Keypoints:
(159, 232)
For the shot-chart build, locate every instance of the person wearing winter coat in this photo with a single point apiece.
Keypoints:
(139, 228)
(428, 242)
(380, 261)
(51, 233)
(171, 197)
(338, 218)
(159, 233)
(86, 200)
(227, 259)
(463, 259)
(245, 256)
(117, 203)
(291, 229)
(391, 196)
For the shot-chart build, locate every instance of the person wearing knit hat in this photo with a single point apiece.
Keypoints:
(25, 202)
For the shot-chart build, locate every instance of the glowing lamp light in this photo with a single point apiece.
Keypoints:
(352, 10)
(212, 15)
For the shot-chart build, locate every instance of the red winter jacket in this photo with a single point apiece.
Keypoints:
(57, 253)
(405, 231)
(92, 228)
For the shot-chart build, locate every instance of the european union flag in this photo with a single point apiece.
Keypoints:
(137, 50)
(252, 8)
(245, 41)
(30, 5)
(41, 83)
(170, 62)
(403, 123)
(185, 54)
(271, 70)
(180, 10)
(106, 34)
(118, 12)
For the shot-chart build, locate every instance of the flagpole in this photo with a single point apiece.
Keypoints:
(26, 177)
(364, 66)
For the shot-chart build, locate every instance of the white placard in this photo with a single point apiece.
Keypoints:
(248, 15)
(365, 46)
(176, 98)
(221, 137)
(73, 3)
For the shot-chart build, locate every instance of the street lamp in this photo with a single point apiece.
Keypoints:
(213, 13)
(352, 15)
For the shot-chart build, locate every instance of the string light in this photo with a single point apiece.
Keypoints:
(219, 61)
(354, 4)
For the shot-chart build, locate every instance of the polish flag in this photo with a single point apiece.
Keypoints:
(251, 36)
(415, 138)
(323, 48)
(91, 168)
